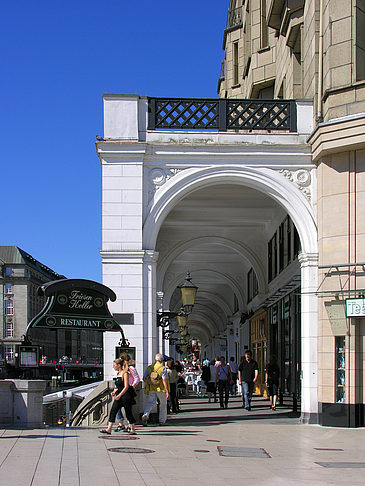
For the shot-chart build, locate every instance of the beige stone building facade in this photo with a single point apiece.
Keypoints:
(20, 277)
(315, 50)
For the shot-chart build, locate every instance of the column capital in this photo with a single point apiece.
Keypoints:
(150, 256)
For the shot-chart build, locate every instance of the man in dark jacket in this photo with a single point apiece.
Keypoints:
(248, 373)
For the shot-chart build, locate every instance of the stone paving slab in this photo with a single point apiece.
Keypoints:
(81, 457)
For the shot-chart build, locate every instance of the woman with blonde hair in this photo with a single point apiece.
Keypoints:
(123, 397)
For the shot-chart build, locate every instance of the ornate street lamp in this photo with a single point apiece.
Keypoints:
(188, 293)
(179, 336)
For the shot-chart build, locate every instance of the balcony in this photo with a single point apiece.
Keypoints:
(222, 114)
(234, 18)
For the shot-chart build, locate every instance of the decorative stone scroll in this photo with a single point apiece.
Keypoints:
(157, 178)
(301, 178)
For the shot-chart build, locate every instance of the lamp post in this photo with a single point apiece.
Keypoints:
(188, 293)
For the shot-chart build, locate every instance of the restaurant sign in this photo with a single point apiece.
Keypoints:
(355, 307)
(76, 304)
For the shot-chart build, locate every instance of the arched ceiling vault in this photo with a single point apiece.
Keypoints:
(243, 251)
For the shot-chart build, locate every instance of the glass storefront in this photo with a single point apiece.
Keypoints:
(285, 342)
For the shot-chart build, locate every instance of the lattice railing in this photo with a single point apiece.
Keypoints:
(221, 114)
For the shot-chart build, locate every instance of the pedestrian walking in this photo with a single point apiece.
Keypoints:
(134, 380)
(224, 380)
(157, 388)
(234, 372)
(205, 372)
(172, 404)
(123, 397)
(272, 375)
(211, 386)
(248, 373)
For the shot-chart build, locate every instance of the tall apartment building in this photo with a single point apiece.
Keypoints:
(20, 277)
(315, 50)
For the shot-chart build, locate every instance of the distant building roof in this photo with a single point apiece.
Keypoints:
(13, 255)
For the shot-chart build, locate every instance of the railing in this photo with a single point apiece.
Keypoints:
(221, 114)
(234, 17)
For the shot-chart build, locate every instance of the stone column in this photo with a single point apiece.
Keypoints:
(123, 271)
(309, 336)
(150, 337)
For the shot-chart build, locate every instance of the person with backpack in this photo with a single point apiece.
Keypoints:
(157, 388)
(272, 375)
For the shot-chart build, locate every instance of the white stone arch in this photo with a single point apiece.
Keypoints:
(263, 179)
(243, 251)
(294, 202)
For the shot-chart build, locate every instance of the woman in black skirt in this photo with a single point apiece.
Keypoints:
(123, 397)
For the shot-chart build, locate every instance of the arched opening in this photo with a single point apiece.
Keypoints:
(239, 234)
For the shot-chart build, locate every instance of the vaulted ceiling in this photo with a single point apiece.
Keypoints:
(217, 233)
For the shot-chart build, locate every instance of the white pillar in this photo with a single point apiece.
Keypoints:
(150, 336)
(309, 336)
(123, 272)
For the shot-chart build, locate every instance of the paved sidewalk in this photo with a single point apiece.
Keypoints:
(273, 448)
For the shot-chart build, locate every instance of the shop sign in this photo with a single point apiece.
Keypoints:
(76, 304)
(355, 307)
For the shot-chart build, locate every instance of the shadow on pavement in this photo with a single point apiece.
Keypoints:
(247, 417)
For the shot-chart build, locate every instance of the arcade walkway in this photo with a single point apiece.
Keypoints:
(203, 445)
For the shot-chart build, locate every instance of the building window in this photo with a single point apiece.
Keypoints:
(289, 225)
(8, 288)
(235, 63)
(252, 285)
(272, 257)
(297, 246)
(360, 41)
(8, 329)
(282, 247)
(263, 25)
(340, 368)
(9, 308)
(8, 271)
(235, 304)
(9, 353)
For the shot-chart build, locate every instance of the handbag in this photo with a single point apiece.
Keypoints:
(229, 376)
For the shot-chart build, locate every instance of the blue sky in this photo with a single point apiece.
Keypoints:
(58, 58)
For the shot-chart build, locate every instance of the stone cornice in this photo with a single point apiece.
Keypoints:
(339, 135)
(128, 256)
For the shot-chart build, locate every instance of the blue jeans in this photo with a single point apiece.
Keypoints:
(247, 390)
